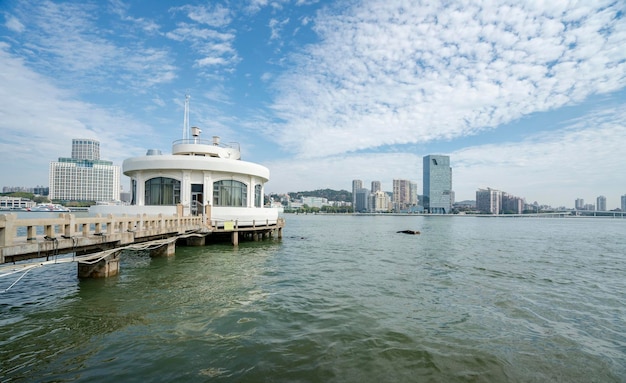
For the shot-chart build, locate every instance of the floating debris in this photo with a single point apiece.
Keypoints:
(409, 232)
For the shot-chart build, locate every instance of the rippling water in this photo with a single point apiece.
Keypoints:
(338, 299)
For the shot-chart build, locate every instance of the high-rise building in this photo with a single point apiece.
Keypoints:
(601, 203)
(362, 200)
(624, 202)
(376, 186)
(83, 149)
(512, 204)
(413, 201)
(493, 201)
(579, 204)
(401, 194)
(489, 201)
(85, 177)
(437, 180)
(382, 202)
(356, 185)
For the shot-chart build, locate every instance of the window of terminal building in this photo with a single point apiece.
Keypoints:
(230, 193)
(162, 191)
(258, 198)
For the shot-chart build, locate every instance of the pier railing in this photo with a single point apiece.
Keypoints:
(29, 238)
(14, 230)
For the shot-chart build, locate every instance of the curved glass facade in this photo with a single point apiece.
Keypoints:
(230, 193)
(162, 191)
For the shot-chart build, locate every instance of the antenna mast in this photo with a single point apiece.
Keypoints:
(186, 119)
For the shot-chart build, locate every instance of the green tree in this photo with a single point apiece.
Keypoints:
(29, 196)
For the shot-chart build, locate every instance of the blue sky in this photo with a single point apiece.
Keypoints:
(526, 97)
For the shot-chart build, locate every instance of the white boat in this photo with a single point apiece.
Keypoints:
(200, 177)
(49, 207)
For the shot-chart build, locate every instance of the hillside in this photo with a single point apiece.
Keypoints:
(331, 195)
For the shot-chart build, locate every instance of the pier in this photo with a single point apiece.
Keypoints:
(95, 243)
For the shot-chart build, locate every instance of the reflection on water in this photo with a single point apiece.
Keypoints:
(340, 298)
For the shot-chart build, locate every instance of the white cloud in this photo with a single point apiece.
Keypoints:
(158, 101)
(276, 27)
(121, 9)
(265, 77)
(213, 45)
(397, 72)
(14, 24)
(256, 5)
(67, 41)
(555, 167)
(552, 168)
(39, 120)
(215, 16)
(211, 61)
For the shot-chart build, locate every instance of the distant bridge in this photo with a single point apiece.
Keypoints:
(564, 214)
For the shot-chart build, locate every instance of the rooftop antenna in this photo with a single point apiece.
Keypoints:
(186, 119)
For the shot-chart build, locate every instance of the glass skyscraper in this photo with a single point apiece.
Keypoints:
(356, 186)
(437, 180)
(601, 203)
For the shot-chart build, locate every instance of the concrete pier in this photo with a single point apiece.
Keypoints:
(93, 241)
(106, 267)
(255, 231)
(167, 250)
(196, 241)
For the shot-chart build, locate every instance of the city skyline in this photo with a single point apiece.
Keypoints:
(621, 204)
(522, 97)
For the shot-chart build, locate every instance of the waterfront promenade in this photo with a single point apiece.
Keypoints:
(103, 238)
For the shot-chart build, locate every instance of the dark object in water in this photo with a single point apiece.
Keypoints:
(409, 231)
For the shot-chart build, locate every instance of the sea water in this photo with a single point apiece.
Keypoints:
(339, 298)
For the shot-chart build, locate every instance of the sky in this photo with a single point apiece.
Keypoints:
(525, 97)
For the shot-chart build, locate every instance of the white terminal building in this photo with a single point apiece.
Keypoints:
(200, 177)
(84, 176)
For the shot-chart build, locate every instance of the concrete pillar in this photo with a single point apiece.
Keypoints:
(255, 236)
(104, 268)
(207, 213)
(185, 192)
(164, 251)
(140, 196)
(235, 238)
(69, 225)
(8, 231)
(111, 224)
(196, 241)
